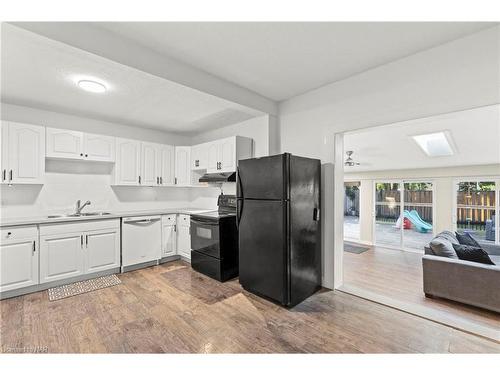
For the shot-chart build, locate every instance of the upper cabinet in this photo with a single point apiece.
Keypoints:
(199, 156)
(69, 144)
(182, 165)
(143, 163)
(23, 153)
(223, 154)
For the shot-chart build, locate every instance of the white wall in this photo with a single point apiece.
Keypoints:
(444, 188)
(455, 76)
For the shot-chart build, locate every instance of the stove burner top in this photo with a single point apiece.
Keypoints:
(227, 208)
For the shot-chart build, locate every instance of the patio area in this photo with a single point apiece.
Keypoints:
(387, 234)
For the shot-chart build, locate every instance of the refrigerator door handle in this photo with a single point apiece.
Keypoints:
(316, 214)
(239, 209)
(240, 190)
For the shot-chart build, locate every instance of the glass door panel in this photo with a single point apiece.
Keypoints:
(387, 214)
(351, 210)
(476, 203)
(418, 214)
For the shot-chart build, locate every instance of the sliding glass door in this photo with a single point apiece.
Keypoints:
(477, 208)
(351, 210)
(406, 225)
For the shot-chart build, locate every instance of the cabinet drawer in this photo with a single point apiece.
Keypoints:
(183, 220)
(168, 219)
(8, 234)
(74, 227)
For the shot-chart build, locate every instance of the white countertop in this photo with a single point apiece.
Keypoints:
(6, 222)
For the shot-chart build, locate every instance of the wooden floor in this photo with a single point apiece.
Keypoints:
(398, 274)
(171, 308)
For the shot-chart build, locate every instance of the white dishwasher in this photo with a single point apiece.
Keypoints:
(141, 239)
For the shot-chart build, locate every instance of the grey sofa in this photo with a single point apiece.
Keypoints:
(463, 281)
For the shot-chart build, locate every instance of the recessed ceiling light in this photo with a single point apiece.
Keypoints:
(91, 86)
(434, 144)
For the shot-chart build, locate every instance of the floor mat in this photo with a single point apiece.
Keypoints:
(80, 287)
(355, 249)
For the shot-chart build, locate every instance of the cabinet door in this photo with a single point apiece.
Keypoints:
(19, 264)
(4, 152)
(63, 143)
(26, 154)
(150, 159)
(199, 156)
(102, 250)
(169, 240)
(127, 166)
(182, 165)
(61, 256)
(167, 156)
(183, 241)
(213, 157)
(98, 147)
(227, 156)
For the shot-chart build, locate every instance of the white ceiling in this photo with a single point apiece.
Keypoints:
(40, 72)
(475, 135)
(280, 60)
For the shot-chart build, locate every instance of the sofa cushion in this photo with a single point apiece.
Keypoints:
(495, 259)
(466, 239)
(448, 235)
(472, 254)
(442, 247)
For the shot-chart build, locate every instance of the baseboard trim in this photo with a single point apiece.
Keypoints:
(45, 286)
(428, 313)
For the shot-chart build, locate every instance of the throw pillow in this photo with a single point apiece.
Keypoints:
(466, 239)
(472, 254)
(443, 248)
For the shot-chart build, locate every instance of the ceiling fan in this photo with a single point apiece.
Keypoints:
(349, 162)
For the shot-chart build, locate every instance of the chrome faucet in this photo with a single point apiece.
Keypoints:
(78, 208)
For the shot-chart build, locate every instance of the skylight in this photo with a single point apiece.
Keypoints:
(434, 144)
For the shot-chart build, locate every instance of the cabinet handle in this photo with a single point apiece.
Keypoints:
(175, 181)
(87, 241)
(81, 241)
(4, 174)
(161, 180)
(86, 155)
(81, 154)
(34, 248)
(157, 180)
(10, 175)
(139, 179)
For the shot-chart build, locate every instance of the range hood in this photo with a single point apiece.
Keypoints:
(218, 177)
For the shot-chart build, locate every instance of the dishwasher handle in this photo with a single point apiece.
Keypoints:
(141, 221)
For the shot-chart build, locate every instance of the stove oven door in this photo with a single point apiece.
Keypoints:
(205, 236)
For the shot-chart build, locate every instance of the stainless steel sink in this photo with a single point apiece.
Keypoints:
(100, 213)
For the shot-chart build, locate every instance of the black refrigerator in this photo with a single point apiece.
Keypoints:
(278, 217)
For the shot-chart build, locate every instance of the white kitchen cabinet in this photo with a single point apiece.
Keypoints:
(167, 171)
(169, 234)
(102, 250)
(70, 144)
(18, 258)
(97, 147)
(61, 256)
(23, 153)
(183, 236)
(74, 249)
(183, 166)
(223, 154)
(150, 164)
(128, 162)
(199, 156)
(66, 144)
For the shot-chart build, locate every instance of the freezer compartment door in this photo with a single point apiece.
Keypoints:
(263, 178)
(262, 242)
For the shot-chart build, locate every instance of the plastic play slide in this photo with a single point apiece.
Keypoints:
(419, 224)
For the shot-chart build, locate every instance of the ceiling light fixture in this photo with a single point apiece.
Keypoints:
(91, 86)
(434, 144)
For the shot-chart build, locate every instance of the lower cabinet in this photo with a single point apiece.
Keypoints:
(75, 249)
(18, 258)
(169, 235)
(183, 236)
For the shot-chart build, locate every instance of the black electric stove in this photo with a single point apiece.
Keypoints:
(214, 240)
